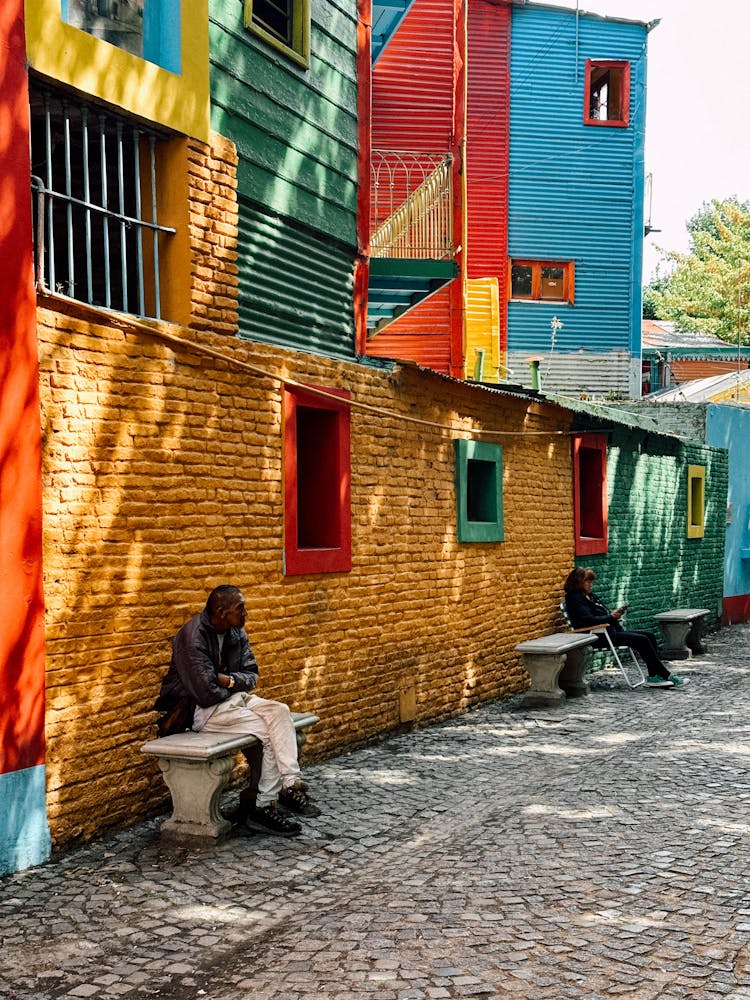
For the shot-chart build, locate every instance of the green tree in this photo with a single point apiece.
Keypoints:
(652, 293)
(709, 288)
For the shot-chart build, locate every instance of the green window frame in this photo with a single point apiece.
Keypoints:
(479, 491)
(283, 24)
(696, 501)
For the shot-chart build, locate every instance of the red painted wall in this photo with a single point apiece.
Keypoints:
(487, 142)
(21, 607)
(418, 106)
(422, 335)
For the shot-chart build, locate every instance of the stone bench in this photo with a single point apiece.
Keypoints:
(681, 631)
(557, 665)
(196, 768)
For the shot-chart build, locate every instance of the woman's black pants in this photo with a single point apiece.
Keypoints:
(644, 643)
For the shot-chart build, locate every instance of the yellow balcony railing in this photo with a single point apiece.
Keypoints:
(412, 205)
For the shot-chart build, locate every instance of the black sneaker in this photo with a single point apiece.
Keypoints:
(268, 819)
(296, 799)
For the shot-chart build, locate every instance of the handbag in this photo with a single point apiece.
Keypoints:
(177, 719)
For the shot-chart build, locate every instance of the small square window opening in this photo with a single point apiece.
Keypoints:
(547, 281)
(606, 93)
(479, 498)
(481, 490)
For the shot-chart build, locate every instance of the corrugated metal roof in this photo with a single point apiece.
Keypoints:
(704, 389)
(608, 415)
(662, 333)
(591, 14)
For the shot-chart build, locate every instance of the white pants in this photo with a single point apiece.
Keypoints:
(271, 721)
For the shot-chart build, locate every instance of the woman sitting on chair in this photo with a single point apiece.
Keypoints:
(585, 610)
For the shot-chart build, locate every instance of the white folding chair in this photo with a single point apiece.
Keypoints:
(636, 669)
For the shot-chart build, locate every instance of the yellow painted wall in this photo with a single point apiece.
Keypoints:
(483, 330)
(102, 70)
(162, 478)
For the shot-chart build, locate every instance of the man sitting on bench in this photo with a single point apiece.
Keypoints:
(585, 609)
(213, 666)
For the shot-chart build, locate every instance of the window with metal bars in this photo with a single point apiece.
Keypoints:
(97, 238)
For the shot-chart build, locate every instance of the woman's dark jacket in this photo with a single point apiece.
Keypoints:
(585, 610)
(195, 664)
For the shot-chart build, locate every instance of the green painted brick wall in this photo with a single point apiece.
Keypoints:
(651, 563)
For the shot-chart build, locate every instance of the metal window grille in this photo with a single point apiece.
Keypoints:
(97, 237)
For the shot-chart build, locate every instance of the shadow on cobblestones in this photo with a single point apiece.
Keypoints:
(596, 850)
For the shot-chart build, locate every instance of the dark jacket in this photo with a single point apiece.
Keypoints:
(585, 610)
(195, 664)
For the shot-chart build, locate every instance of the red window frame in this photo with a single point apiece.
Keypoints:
(622, 119)
(568, 289)
(590, 494)
(317, 481)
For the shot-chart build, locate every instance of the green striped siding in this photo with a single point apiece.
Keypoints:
(295, 287)
(296, 136)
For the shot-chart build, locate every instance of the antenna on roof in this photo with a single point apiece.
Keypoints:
(648, 198)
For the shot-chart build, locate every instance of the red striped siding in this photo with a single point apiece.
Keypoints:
(417, 106)
(412, 82)
(421, 335)
(488, 139)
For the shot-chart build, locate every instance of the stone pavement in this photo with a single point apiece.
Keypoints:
(597, 850)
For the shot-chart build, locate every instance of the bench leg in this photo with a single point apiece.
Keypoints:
(573, 674)
(544, 670)
(196, 787)
(675, 634)
(694, 642)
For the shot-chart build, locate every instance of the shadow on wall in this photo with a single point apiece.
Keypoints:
(651, 563)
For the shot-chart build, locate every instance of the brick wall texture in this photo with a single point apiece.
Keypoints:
(162, 470)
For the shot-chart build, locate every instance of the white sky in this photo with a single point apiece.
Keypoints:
(698, 107)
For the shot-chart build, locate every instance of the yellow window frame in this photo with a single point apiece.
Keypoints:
(299, 50)
(696, 501)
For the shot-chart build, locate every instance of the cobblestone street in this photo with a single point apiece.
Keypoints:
(597, 850)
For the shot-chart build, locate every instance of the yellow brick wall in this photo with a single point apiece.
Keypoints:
(162, 478)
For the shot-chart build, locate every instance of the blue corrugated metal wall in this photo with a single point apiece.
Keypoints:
(576, 191)
(296, 135)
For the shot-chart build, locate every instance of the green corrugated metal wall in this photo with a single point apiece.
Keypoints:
(296, 136)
